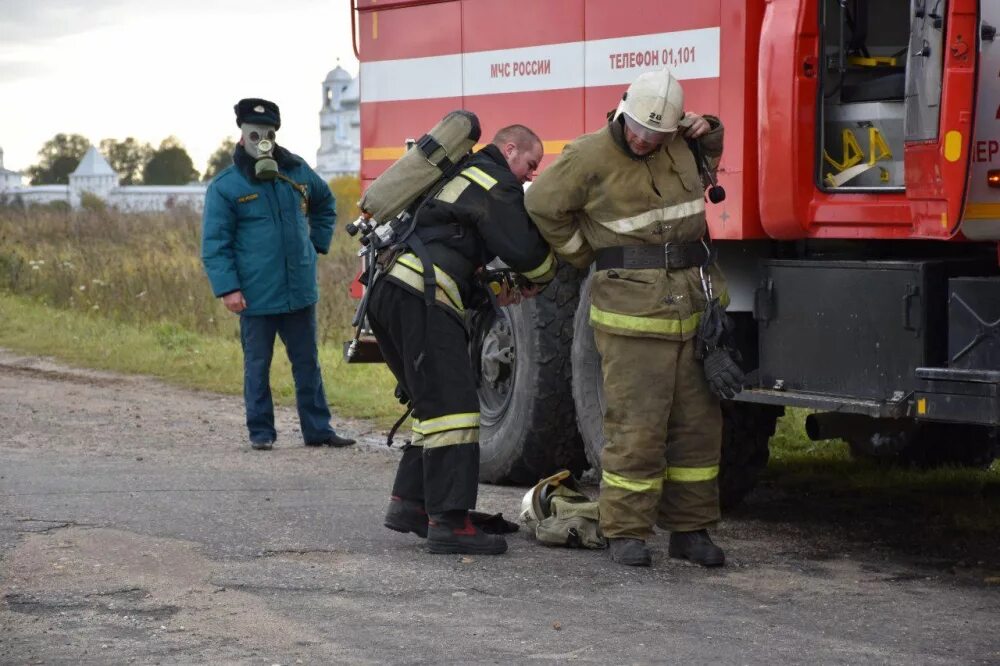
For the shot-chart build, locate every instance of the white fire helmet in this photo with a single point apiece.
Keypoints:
(535, 504)
(653, 105)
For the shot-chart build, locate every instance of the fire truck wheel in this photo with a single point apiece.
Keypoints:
(527, 428)
(746, 430)
(588, 383)
(745, 433)
(929, 445)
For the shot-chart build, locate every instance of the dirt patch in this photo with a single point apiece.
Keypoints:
(131, 587)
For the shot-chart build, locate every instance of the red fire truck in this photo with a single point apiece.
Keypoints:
(859, 234)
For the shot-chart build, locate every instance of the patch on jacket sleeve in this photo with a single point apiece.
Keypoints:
(249, 197)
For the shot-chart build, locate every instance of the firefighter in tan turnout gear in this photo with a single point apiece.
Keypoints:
(630, 197)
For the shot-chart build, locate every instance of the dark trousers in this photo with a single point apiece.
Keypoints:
(440, 468)
(298, 333)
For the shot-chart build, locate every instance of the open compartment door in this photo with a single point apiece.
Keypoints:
(940, 91)
(787, 96)
(982, 207)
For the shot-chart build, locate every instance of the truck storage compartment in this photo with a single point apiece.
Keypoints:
(850, 328)
(974, 323)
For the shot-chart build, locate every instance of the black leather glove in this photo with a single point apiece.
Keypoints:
(492, 523)
(725, 379)
(401, 395)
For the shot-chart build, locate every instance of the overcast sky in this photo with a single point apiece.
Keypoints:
(150, 69)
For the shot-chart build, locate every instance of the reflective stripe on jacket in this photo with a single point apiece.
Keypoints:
(409, 272)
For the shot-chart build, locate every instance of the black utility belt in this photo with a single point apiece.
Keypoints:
(670, 256)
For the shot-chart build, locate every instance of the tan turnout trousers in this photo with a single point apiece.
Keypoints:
(663, 433)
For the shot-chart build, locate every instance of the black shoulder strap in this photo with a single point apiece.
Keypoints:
(699, 157)
(416, 243)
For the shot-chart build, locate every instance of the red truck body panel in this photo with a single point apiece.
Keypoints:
(559, 66)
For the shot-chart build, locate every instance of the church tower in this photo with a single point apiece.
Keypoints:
(339, 151)
(8, 179)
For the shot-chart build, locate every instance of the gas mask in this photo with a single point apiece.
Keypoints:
(258, 141)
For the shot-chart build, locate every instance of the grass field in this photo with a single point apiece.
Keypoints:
(183, 357)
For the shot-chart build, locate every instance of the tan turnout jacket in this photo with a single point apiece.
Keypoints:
(596, 195)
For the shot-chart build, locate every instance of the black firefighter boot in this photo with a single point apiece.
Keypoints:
(631, 552)
(406, 515)
(696, 547)
(453, 532)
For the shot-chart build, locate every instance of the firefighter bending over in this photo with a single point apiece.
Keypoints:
(630, 196)
(476, 216)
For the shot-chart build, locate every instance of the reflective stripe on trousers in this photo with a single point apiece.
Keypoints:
(446, 430)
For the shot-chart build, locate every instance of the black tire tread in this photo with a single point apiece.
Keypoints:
(557, 443)
(746, 430)
(554, 442)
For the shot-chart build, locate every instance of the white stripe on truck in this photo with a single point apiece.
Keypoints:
(691, 54)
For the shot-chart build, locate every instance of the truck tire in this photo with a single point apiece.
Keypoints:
(928, 445)
(746, 431)
(588, 382)
(746, 427)
(522, 357)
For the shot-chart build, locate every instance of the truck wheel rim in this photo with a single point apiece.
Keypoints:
(498, 360)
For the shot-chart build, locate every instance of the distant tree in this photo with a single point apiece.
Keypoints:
(169, 165)
(220, 159)
(171, 142)
(59, 157)
(127, 157)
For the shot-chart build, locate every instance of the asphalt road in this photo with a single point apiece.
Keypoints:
(136, 526)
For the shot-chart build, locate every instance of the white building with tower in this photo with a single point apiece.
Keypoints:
(339, 151)
(95, 176)
(8, 178)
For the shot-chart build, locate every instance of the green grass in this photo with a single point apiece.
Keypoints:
(184, 358)
(965, 499)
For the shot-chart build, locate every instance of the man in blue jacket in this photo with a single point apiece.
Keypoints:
(266, 217)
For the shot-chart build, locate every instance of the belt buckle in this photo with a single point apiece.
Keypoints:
(666, 254)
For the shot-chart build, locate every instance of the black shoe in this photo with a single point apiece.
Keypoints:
(334, 440)
(464, 538)
(631, 552)
(406, 516)
(696, 547)
(262, 446)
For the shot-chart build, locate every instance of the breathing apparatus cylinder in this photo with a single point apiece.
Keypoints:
(431, 157)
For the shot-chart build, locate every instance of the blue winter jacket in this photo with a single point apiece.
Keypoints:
(258, 239)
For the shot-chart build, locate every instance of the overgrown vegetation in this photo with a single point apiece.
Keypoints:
(132, 288)
(146, 269)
